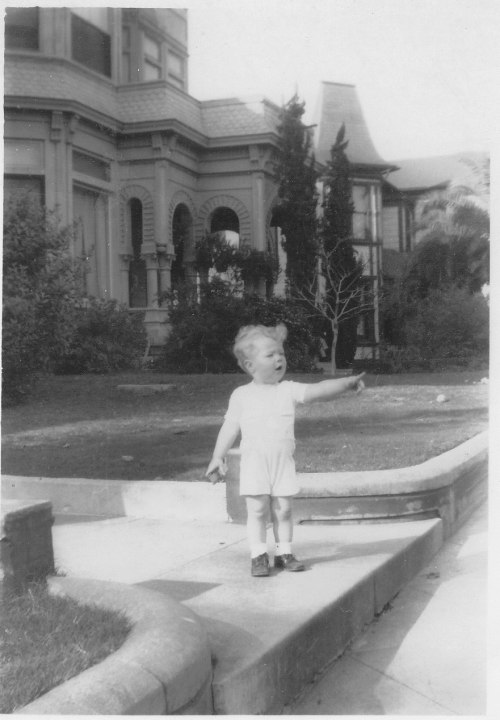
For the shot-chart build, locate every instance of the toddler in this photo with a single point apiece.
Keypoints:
(263, 411)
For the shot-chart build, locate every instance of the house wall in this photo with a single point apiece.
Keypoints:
(101, 142)
(98, 144)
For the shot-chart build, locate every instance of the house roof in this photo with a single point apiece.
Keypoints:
(224, 118)
(339, 103)
(432, 172)
(239, 116)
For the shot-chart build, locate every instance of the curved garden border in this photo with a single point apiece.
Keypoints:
(163, 668)
(446, 486)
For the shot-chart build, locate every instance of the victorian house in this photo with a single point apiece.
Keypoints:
(99, 124)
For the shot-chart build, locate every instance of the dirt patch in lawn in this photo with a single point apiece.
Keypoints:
(85, 426)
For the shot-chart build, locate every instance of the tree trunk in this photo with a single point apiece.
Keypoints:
(333, 349)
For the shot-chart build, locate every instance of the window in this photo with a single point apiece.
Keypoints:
(175, 67)
(89, 165)
(137, 277)
(366, 323)
(361, 216)
(152, 58)
(17, 186)
(126, 75)
(90, 46)
(21, 28)
(91, 240)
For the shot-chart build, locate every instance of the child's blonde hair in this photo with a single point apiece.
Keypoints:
(244, 344)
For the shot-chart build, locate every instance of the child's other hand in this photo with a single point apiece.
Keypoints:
(216, 470)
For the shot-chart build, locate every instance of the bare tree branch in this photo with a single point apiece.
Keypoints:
(336, 293)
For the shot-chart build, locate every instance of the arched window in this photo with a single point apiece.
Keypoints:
(182, 238)
(226, 222)
(137, 278)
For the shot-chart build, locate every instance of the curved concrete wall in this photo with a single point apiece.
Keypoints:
(163, 668)
(447, 486)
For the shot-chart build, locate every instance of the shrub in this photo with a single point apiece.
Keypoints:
(107, 337)
(18, 332)
(448, 328)
(301, 345)
(203, 330)
(41, 290)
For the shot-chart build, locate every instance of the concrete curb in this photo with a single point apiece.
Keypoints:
(275, 675)
(164, 666)
(444, 486)
(121, 498)
(440, 487)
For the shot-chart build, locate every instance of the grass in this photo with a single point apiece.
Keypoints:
(46, 640)
(84, 426)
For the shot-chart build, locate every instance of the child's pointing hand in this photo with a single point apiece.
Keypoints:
(357, 382)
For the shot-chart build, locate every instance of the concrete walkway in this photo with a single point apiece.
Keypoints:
(427, 654)
(270, 637)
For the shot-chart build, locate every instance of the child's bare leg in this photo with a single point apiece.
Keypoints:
(257, 511)
(281, 512)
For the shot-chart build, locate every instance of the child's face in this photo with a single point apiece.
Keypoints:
(268, 362)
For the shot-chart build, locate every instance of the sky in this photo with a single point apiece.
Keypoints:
(426, 71)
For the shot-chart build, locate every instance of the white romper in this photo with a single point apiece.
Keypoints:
(266, 416)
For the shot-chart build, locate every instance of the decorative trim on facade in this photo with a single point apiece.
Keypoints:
(148, 229)
(230, 202)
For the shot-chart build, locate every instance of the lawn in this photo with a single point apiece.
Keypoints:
(85, 426)
(46, 640)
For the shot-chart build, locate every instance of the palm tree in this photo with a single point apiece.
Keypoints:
(458, 218)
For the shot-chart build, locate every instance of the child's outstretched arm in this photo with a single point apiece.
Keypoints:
(328, 389)
(227, 435)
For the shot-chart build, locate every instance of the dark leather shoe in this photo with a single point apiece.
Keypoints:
(260, 565)
(288, 562)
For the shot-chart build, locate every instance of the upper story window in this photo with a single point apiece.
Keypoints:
(90, 39)
(142, 55)
(146, 55)
(361, 221)
(126, 71)
(151, 50)
(21, 28)
(175, 69)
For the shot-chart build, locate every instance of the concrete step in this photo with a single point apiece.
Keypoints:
(271, 636)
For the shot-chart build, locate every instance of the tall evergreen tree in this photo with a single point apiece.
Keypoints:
(338, 207)
(336, 237)
(295, 213)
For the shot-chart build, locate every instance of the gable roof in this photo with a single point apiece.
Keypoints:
(432, 172)
(339, 103)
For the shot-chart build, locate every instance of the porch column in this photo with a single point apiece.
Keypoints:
(258, 216)
(125, 260)
(165, 263)
(152, 278)
(161, 202)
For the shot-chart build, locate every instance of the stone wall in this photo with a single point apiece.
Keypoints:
(26, 543)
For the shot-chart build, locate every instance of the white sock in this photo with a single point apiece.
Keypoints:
(284, 548)
(258, 549)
